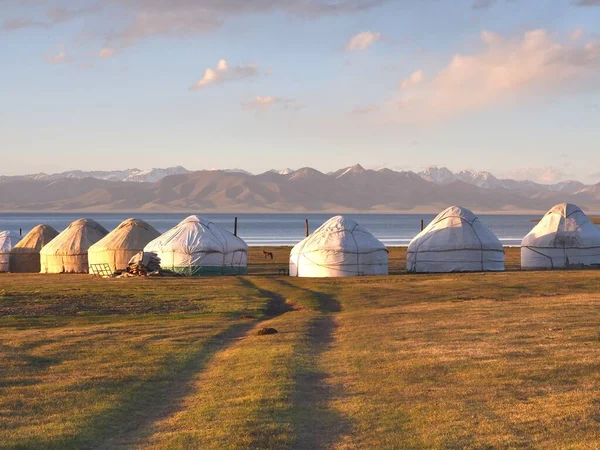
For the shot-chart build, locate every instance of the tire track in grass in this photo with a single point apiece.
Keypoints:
(264, 391)
(315, 424)
(160, 394)
(142, 412)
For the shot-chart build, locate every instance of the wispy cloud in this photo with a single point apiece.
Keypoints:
(362, 41)
(483, 4)
(546, 175)
(413, 80)
(363, 110)
(19, 23)
(107, 52)
(537, 62)
(55, 16)
(184, 18)
(60, 57)
(586, 2)
(262, 103)
(223, 72)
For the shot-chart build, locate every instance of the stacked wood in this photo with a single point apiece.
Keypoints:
(142, 264)
(146, 264)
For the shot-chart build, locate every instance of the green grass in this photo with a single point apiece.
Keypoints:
(504, 360)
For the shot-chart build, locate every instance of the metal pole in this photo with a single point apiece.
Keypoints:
(422, 224)
(235, 227)
(306, 227)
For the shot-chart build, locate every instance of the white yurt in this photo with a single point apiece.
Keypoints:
(121, 244)
(8, 240)
(339, 248)
(196, 246)
(455, 241)
(564, 237)
(25, 256)
(68, 252)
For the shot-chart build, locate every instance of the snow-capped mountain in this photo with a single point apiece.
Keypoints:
(481, 179)
(443, 176)
(245, 172)
(568, 186)
(133, 175)
(357, 168)
(438, 175)
(352, 188)
(282, 172)
(154, 175)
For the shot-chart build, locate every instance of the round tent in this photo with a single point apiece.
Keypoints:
(25, 256)
(455, 241)
(339, 248)
(121, 244)
(564, 237)
(197, 246)
(68, 252)
(8, 240)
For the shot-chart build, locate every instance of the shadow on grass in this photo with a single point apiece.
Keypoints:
(315, 424)
(325, 302)
(145, 402)
(277, 304)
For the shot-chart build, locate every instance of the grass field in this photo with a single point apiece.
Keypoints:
(496, 360)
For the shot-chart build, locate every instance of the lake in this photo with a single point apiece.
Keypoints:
(280, 229)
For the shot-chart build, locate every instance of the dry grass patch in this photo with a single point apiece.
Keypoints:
(503, 360)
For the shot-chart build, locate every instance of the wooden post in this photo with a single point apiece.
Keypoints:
(422, 224)
(235, 227)
(306, 227)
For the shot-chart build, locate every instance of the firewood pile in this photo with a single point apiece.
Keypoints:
(145, 264)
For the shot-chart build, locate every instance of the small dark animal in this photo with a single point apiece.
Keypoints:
(268, 254)
(264, 331)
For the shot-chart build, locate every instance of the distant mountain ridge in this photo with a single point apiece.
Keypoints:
(352, 188)
(132, 175)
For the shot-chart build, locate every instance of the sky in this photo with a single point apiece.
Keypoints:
(507, 86)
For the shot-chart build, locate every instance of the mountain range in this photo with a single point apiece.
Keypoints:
(235, 190)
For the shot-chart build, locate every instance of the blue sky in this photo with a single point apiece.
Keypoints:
(509, 86)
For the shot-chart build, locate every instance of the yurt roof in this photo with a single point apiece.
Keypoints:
(456, 212)
(33, 241)
(8, 240)
(565, 210)
(339, 234)
(468, 232)
(565, 225)
(130, 234)
(197, 234)
(76, 239)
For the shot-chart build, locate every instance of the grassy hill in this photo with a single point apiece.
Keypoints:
(497, 360)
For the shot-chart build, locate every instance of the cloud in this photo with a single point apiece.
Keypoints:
(143, 19)
(586, 2)
(58, 58)
(545, 175)
(362, 41)
(362, 110)
(413, 80)
(107, 52)
(175, 23)
(483, 4)
(223, 72)
(184, 18)
(261, 103)
(533, 64)
(577, 35)
(55, 15)
(19, 23)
